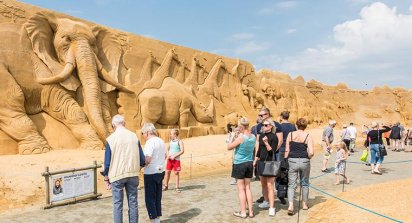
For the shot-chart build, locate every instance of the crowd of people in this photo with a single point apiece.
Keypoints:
(287, 145)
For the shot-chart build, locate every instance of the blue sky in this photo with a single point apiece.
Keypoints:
(360, 42)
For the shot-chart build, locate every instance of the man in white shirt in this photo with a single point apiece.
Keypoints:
(352, 132)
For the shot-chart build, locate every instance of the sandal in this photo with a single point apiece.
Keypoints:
(251, 215)
(290, 212)
(165, 187)
(178, 190)
(239, 214)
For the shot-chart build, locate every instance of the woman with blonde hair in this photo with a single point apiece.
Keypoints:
(375, 144)
(242, 169)
(266, 146)
(342, 154)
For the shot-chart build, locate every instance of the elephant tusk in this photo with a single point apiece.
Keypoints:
(106, 76)
(62, 76)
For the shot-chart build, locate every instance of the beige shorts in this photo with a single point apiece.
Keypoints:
(326, 152)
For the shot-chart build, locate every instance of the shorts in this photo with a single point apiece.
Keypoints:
(242, 170)
(326, 152)
(173, 165)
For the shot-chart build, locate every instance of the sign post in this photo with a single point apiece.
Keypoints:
(70, 186)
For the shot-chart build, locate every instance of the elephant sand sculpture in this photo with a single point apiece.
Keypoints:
(39, 72)
(171, 105)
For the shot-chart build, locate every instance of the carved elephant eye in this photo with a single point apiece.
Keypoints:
(66, 38)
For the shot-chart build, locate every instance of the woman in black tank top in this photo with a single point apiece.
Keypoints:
(299, 151)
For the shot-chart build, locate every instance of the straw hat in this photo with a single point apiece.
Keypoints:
(374, 124)
(344, 126)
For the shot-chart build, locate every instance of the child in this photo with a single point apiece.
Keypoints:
(340, 164)
(173, 153)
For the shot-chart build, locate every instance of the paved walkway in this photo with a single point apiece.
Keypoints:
(212, 199)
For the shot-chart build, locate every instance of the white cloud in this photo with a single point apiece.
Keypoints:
(277, 6)
(251, 47)
(367, 49)
(243, 36)
(289, 31)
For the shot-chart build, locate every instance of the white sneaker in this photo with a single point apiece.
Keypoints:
(272, 212)
(233, 182)
(264, 205)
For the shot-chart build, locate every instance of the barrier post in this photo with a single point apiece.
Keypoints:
(95, 177)
(191, 159)
(344, 177)
(47, 185)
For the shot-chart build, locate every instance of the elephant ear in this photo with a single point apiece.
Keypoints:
(40, 29)
(109, 54)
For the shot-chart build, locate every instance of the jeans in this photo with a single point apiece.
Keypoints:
(375, 154)
(299, 166)
(153, 194)
(130, 184)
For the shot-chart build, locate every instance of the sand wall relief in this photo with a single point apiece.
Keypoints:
(63, 78)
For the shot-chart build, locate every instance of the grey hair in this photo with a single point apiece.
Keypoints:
(149, 128)
(118, 120)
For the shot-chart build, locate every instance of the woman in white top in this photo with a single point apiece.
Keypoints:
(154, 172)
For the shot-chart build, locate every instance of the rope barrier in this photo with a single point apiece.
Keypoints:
(391, 162)
(347, 202)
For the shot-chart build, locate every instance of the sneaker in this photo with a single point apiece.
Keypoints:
(260, 200)
(233, 182)
(264, 205)
(272, 212)
(282, 200)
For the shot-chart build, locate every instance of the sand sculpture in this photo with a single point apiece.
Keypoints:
(62, 79)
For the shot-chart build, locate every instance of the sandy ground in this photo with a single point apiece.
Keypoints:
(392, 199)
(207, 195)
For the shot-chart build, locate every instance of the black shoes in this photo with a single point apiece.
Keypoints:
(282, 200)
(260, 200)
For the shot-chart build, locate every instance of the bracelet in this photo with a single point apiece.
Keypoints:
(107, 180)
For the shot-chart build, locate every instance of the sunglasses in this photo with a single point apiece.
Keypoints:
(266, 125)
(261, 115)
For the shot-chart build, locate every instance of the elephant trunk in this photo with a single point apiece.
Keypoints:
(87, 71)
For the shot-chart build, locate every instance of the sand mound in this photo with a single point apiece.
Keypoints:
(392, 199)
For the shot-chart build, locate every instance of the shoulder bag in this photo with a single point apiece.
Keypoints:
(268, 168)
(382, 149)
